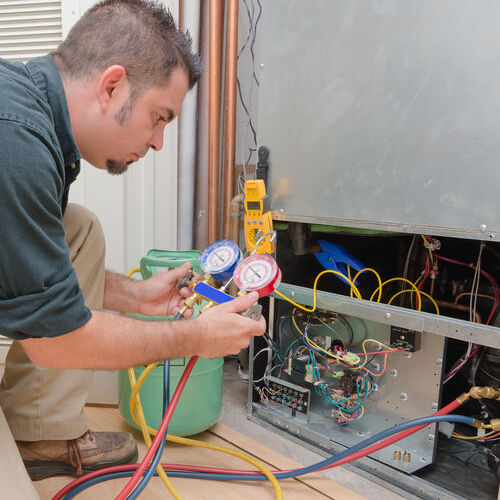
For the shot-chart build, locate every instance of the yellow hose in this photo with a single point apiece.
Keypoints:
(142, 421)
(137, 414)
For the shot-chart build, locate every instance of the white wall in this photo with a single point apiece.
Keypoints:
(138, 210)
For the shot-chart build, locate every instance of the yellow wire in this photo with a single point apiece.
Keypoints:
(328, 271)
(417, 291)
(136, 407)
(475, 437)
(413, 291)
(377, 276)
(332, 355)
(137, 414)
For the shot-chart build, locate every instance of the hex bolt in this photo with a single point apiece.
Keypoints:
(394, 372)
(403, 397)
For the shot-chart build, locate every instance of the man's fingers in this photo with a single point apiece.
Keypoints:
(241, 303)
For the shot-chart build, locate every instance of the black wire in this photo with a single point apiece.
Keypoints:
(488, 374)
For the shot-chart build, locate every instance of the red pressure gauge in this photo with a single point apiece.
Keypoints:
(257, 273)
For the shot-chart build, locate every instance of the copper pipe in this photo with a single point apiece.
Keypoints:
(230, 109)
(450, 305)
(215, 60)
(201, 177)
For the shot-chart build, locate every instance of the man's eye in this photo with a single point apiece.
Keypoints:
(160, 118)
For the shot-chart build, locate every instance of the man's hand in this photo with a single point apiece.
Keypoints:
(159, 296)
(222, 330)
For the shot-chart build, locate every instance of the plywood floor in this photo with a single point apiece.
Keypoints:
(311, 487)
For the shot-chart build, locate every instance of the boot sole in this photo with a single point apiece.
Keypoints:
(39, 469)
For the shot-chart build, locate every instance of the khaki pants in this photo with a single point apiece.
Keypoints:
(45, 403)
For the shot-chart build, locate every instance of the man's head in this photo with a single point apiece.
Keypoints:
(126, 69)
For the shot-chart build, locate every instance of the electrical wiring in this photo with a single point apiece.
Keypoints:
(417, 291)
(413, 291)
(486, 275)
(327, 271)
(485, 437)
(377, 275)
(481, 295)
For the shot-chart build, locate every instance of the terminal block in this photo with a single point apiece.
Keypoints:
(402, 338)
(291, 396)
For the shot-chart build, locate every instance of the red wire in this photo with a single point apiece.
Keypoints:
(486, 275)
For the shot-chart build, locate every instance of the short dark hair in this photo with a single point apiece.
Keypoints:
(140, 35)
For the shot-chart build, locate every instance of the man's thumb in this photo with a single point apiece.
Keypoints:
(243, 303)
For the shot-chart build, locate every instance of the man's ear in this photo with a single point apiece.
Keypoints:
(111, 83)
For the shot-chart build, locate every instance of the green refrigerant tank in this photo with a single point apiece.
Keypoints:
(200, 404)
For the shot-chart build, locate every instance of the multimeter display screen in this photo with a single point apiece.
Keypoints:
(253, 205)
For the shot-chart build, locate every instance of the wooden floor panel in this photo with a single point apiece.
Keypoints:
(310, 487)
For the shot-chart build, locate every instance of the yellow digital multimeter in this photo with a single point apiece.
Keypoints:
(257, 216)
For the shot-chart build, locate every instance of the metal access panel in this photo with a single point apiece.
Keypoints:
(409, 388)
(383, 114)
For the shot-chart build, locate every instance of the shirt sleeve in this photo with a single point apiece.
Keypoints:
(39, 291)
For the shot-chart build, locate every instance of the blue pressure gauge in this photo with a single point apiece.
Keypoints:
(220, 258)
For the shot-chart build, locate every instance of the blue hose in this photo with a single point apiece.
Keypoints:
(157, 457)
(285, 475)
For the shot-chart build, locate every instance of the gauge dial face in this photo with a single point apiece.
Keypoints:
(257, 273)
(220, 256)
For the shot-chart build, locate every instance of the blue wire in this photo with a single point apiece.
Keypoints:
(285, 475)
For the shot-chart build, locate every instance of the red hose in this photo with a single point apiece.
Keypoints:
(181, 467)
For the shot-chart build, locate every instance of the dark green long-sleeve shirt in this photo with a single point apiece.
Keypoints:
(39, 159)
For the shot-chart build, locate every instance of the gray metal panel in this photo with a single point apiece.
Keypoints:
(383, 113)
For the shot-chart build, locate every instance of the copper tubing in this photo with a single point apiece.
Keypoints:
(450, 305)
(230, 110)
(216, 22)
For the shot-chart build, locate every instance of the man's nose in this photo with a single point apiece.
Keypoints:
(156, 141)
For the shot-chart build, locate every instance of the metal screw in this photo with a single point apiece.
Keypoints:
(432, 437)
(375, 387)
(387, 315)
(423, 459)
(397, 455)
(292, 293)
(434, 406)
(482, 227)
(375, 366)
(403, 397)
(394, 372)
(407, 355)
(282, 210)
(439, 361)
(406, 456)
(262, 65)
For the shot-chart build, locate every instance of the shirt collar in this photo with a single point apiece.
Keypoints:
(46, 76)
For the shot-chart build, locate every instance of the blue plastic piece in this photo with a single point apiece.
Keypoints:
(335, 258)
(210, 293)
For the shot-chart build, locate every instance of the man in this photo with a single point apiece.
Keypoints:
(105, 95)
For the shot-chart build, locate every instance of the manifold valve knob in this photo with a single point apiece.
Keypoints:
(254, 312)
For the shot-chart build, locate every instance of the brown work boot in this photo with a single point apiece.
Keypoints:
(92, 451)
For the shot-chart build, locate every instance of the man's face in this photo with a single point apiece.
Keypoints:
(136, 125)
